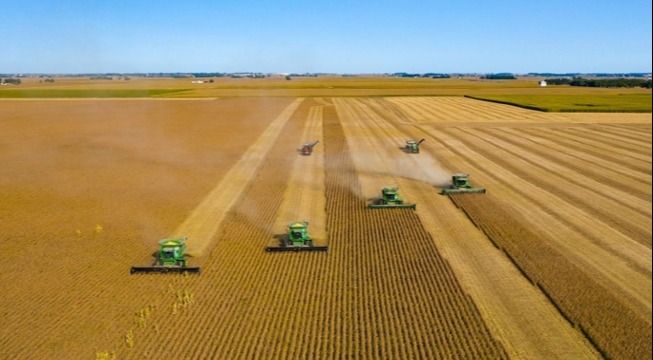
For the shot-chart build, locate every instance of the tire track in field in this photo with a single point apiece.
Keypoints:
(611, 173)
(631, 131)
(628, 134)
(461, 109)
(622, 165)
(604, 134)
(576, 235)
(622, 182)
(615, 142)
(612, 206)
(617, 330)
(205, 220)
(639, 162)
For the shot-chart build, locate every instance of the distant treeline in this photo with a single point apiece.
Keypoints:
(12, 81)
(208, 74)
(594, 75)
(605, 83)
(499, 76)
(427, 75)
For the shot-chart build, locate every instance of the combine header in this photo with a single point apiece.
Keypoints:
(297, 239)
(390, 199)
(171, 258)
(307, 148)
(460, 185)
(412, 146)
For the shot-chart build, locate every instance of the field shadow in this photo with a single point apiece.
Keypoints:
(280, 239)
(375, 200)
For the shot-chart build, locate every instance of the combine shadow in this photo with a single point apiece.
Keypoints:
(155, 258)
(374, 200)
(280, 239)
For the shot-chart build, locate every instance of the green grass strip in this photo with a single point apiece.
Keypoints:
(84, 93)
(635, 103)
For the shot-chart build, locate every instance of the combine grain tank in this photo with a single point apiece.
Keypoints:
(390, 199)
(412, 146)
(297, 239)
(460, 185)
(171, 258)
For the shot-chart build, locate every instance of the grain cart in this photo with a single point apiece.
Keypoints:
(412, 146)
(297, 239)
(307, 148)
(390, 199)
(171, 258)
(460, 185)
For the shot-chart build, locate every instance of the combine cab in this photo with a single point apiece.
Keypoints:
(297, 239)
(390, 199)
(460, 185)
(171, 258)
(307, 148)
(412, 146)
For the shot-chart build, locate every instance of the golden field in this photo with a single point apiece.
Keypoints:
(553, 262)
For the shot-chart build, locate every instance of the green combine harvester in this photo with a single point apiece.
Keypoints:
(390, 199)
(460, 185)
(297, 239)
(171, 258)
(307, 148)
(412, 146)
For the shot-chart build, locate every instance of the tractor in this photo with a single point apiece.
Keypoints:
(390, 199)
(171, 258)
(412, 146)
(297, 239)
(307, 148)
(460, 185)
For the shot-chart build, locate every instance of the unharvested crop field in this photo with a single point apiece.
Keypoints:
(553, 262)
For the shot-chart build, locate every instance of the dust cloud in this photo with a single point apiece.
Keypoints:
(418, 167)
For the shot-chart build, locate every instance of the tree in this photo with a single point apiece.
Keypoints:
(12, 81)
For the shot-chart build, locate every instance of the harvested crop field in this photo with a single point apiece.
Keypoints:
(553, 262)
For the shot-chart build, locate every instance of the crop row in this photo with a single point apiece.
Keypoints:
(572, 196)
(399, 260)
(614, 328)
(382, 290)
(582, 191)
(577, 211)
(443, 110)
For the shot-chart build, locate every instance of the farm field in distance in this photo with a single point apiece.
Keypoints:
(521, 92)
(554, 261)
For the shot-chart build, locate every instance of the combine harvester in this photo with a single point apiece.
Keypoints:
(412, 146)
(390, 199)
(460, 185)
(171, 258)
(297, 239)
(307, 148)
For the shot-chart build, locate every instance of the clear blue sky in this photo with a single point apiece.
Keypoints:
(519, 36)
